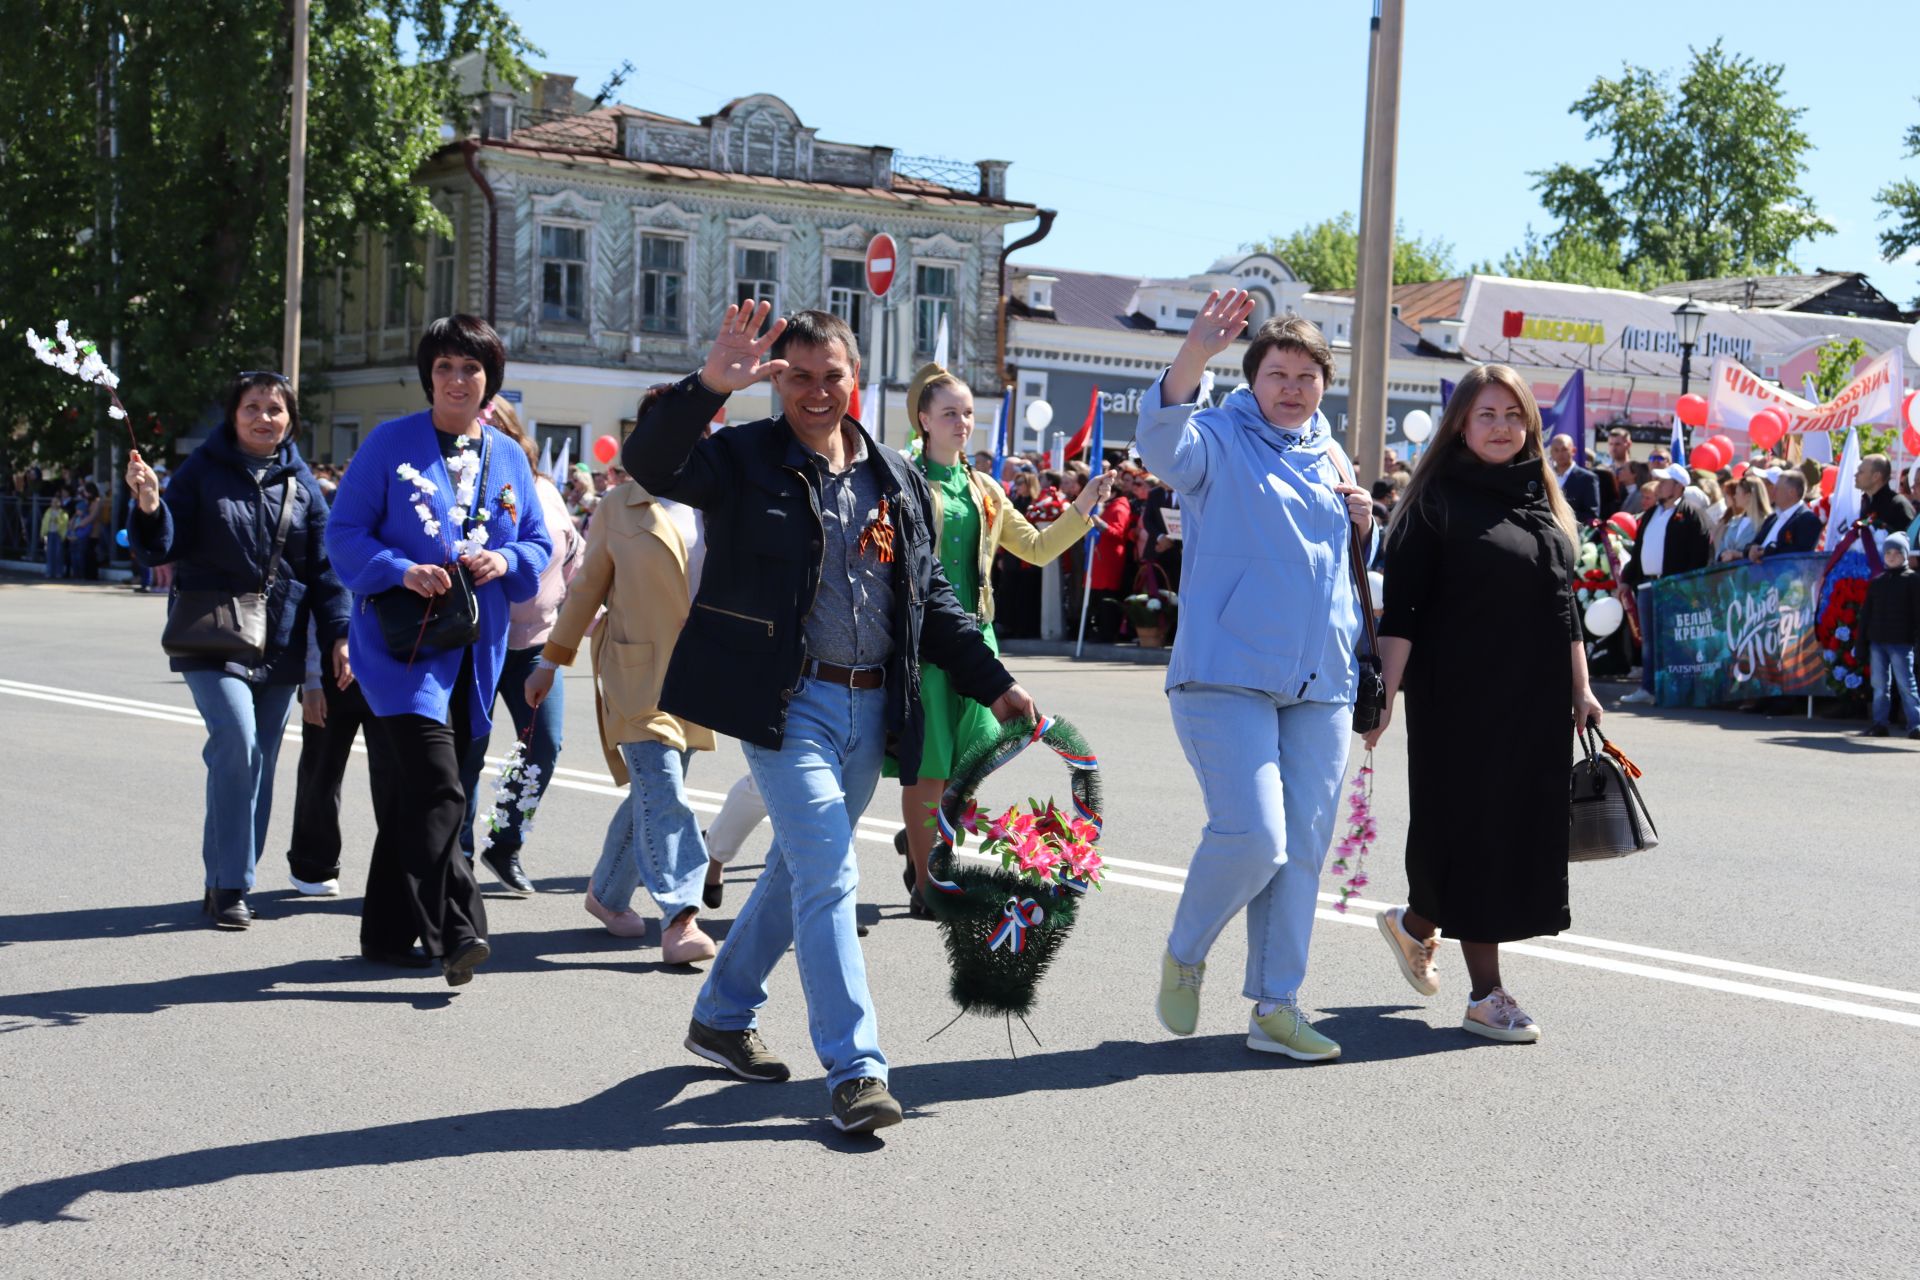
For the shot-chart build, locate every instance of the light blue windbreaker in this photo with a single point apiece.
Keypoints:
(1266, 597)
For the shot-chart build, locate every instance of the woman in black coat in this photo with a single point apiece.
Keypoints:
(1480, 627)
(218, 524)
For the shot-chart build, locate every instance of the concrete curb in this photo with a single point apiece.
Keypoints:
(1123, 653)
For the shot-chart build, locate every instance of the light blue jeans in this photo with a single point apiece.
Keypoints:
(244, 727)
(815, 787)
(654, 837)
(1891, 666)
(1270, 770)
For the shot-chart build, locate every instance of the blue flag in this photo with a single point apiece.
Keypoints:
(1096, 462)
(1000, 425)
(1568, 416)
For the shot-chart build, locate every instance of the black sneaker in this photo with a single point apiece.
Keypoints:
(228, 907)
(1914, 733)
(505, 864)
(458, 968)
(742, 1052)
(863, 1105)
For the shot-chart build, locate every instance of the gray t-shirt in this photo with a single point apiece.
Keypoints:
(851, 623)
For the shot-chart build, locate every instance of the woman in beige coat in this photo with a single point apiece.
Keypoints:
(637, 566)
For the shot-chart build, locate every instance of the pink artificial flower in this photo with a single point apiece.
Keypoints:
(1083, 860)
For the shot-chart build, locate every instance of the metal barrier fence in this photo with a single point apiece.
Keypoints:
(21, 539)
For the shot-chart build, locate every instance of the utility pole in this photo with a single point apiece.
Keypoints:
(1372, 304)
(296, 199)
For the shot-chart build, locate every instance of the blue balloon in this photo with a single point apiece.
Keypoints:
(121, 537)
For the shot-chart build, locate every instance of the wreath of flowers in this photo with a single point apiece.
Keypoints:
(1836, 625)
(1152, 608)
(1004, 924)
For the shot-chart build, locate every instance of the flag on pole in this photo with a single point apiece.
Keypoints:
(1678, 445)
(1816, 446)
(942, 343)
(1446, 392)
(1568, 416)
(1080, 437)
(1096, 431)
(560, 463)
(546, 458)
(1001, 423)
(1846, 498)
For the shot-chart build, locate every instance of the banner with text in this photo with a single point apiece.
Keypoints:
(1738, 393)
(1736, 631)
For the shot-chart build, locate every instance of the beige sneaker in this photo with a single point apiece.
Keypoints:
(621, 924)
(1499, 1017)
(682, 942)
(1415, 956)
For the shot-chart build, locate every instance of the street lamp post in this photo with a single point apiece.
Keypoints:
(1687, 319)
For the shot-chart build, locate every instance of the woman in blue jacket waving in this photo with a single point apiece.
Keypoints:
(1262, 675)
(218, 524)
(428, 496)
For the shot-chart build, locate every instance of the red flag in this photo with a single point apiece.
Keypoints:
(1080, 437)
(853, 409)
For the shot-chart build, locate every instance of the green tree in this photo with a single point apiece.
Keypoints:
(1326, 254)
(177, 244)
(1699, 179)
(1901, 201)
(1570, 258)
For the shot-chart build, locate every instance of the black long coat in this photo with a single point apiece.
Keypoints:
(1479, 579)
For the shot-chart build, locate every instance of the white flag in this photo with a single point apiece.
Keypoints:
(942, 341)
(1816, 446)
(546, 458)
(560, 463)
(1846, 498)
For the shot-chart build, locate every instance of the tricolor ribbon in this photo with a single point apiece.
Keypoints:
(1018, 916)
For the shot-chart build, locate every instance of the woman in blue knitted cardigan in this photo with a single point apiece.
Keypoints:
(424, 492)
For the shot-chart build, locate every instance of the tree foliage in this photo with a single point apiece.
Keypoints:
(1698, 180)
(177, 244)
(1901, 202)
(1326, 254)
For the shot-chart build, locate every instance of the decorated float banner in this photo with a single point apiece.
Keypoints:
(1738, 393)
(1736, 631)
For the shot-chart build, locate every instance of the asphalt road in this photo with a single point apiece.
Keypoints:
(1726, 1086)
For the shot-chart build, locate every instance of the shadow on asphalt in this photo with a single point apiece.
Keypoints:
(648, 1111)
(1850, 745)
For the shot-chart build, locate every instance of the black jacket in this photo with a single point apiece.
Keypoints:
(1891, 612)
(1801, 534)
(1582, 490)
(216, 525)
(1688, 545)
(739, 656)
(1887, 511)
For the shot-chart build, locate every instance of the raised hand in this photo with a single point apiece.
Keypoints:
(733, 362)
(1221, 320)
(143, 483)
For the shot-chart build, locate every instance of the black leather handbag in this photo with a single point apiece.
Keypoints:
(412, 624)
(220, 626)
(1607, 818)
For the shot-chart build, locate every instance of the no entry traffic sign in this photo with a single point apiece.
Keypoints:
(882, 255)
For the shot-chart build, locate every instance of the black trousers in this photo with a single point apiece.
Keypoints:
(313, 853)
(419, 884)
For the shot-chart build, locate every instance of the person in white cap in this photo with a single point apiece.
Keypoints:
(1672, 539)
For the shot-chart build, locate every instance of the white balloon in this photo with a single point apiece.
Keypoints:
(1039, 415)
(1913, 343)
(1604, 616)
(1417, 426)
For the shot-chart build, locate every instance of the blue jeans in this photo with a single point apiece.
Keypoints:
(543, 748)
(815, 787)
(654, 837)
(56, 555)
(1270, 770)
(244, 727)
(1892, 668)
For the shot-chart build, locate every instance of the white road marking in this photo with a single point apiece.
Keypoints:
(1168, 879)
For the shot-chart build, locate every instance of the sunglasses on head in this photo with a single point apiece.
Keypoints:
(265, 373)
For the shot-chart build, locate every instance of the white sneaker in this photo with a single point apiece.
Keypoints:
(316, 888)
(1638, 698)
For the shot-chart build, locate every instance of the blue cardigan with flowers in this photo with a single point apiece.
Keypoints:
(374, 536)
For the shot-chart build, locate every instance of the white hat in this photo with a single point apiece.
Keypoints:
(1676, 473)
(1772, 474)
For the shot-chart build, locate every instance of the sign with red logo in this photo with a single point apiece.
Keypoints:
(1511, 322)
(882, 257)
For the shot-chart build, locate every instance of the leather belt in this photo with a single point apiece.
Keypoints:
(847, 677)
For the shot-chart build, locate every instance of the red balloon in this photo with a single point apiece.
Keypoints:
(1704, 457)
(1829, 476)
(1909, 413)
(1766, 427)
(1739, 470)
(1725, 446)
(1692, 410)
(1910, 438)
(606, 449)
(1625, 525)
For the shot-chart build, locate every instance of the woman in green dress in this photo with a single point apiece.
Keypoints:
(972, 518)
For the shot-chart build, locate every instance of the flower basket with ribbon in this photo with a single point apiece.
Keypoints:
(1153, 606)
(1004, 923)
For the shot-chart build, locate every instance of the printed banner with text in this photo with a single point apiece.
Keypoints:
(1736, 631)
(1738, 393)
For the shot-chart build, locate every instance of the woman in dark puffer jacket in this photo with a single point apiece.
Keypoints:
(218, 524)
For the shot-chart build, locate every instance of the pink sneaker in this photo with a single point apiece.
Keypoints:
(1499, 1017)
(1415, 956)
(682, 942)
(621, 924)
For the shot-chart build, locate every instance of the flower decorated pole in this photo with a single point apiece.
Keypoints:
(1350, 855)
(80, 358)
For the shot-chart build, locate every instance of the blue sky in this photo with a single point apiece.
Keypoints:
(1168, 134)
